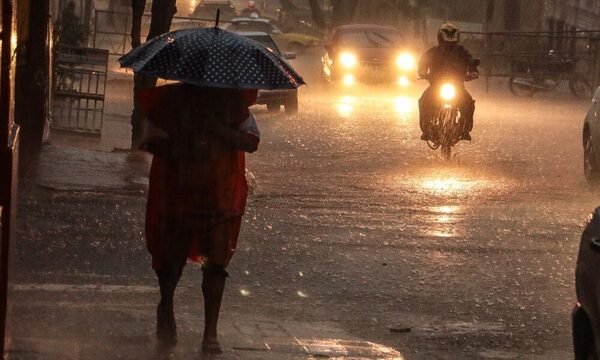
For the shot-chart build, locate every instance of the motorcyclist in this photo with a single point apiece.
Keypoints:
(251, 10)
(447, 61)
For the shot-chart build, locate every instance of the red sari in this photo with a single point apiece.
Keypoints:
(195, 205)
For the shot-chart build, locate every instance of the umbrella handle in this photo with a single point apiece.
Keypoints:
(218, 16)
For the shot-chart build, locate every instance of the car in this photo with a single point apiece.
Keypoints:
(274, 99)
(207, 10)
(591, 141)
(290, 41)
(367, 53)
(586, 314)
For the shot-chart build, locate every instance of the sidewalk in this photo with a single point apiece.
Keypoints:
(89, 316)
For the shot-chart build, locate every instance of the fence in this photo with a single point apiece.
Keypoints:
(79, 89)
(501, 51)
(112, 29)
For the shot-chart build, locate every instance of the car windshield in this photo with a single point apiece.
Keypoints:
(371, 38)
(267, 42)
(210, 10)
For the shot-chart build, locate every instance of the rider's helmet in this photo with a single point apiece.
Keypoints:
(448, 34)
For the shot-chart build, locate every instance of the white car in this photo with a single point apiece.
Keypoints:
(591, 141)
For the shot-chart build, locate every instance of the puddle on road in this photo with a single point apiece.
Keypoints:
(340, 349)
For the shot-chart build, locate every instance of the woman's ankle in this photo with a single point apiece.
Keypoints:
(166, 305)
(209, 336)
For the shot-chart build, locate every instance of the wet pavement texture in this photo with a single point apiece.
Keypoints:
(354, 223)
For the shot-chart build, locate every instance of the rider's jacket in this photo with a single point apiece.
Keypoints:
(442, 63)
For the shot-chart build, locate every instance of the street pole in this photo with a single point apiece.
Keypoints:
(33, 79)
(9, 140)
(162, 15)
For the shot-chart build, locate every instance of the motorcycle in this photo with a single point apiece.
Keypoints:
(446, 125)
(532, 77)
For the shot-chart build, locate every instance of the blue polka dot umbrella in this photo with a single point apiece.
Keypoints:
(214, 58)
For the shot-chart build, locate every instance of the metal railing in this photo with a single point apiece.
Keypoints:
(501, 51)
(79, 89)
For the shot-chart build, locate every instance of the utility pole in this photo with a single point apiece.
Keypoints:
(162, 15)
(489, 15)
(9, 141)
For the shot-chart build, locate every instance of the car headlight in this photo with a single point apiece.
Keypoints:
(406, 62)
(448, 92)
(348, 60)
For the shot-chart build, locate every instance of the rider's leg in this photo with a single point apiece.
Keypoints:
(467, 110)
(425, 112)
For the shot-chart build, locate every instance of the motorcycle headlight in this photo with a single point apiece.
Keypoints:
(406, 62)
(348, 60)
(348, 80)
(448, 92)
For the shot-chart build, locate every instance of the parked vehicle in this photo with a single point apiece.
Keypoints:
(586, 314)
(290, 41)
(274, 99)
(546, 75)
(591, 141)
(367, 53)
(207, 10)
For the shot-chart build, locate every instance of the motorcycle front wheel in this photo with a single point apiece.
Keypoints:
(518, 86)
(447, 151)
(580, 87)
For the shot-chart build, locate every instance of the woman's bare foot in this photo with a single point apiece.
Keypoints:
(211, 346)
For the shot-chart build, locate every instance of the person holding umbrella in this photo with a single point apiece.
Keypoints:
(201, 128)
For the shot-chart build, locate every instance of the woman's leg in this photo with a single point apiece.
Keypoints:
(213, 285)
(166, 327)
(169, 264)
(223, 241)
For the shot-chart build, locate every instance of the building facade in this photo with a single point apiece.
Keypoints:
(566, 15)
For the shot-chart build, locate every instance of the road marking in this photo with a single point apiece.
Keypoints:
(86, 287)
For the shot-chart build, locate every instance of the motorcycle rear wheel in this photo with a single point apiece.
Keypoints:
(520, 90)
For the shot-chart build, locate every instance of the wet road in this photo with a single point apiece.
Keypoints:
(476, 255)
(356, 222)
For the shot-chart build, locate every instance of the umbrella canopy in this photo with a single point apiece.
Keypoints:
(214, 58)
